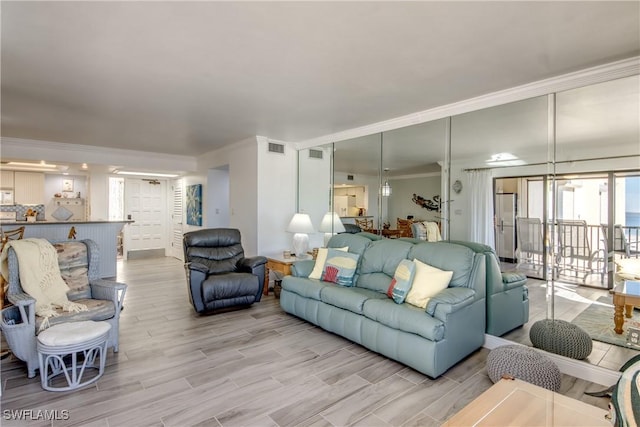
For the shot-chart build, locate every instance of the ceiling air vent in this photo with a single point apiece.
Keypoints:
(349, 177)
(276, 148)
(315, 154)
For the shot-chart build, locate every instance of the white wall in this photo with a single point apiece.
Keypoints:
(98, 196)
(400, 203)
(217, 206)
(53, 185)
(276, 196)
(314, 190)
(241, 159)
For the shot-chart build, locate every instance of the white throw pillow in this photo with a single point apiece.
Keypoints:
(427, 282)
(321, 259)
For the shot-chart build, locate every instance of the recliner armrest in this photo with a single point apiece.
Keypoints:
(251, 262)
(196, 266)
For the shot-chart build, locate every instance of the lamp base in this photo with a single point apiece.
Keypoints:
(300, 244)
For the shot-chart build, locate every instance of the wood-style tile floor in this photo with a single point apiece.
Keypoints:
(253, 367)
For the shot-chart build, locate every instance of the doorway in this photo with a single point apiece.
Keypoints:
(594, 221)
(145, 204)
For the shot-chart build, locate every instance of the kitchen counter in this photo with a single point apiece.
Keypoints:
(104, 233)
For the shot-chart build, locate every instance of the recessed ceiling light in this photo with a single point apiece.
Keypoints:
(163, 175)
(41, 164)
(84, 166)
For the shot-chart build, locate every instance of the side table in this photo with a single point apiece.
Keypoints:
(276, 263)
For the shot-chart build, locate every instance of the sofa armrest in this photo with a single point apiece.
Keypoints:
(511, 280)
(302, 268)
(449, 301)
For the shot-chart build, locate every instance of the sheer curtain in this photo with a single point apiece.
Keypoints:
(481, 207)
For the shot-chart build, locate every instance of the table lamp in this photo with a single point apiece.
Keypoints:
(330, 225)
(300, 225)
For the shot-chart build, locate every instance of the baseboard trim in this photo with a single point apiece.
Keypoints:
(145, 254)
(573, 367)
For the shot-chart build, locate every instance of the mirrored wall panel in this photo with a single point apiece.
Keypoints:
(356, 181)
(506, 141)
(413, 162)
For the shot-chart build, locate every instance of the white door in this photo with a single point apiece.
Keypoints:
(176, 220)
(145, 204)
(505, 226)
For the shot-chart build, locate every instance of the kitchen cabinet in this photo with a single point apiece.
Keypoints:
(28, 188)
(6, 179)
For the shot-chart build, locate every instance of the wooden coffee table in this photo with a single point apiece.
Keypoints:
(518, 403)
(625, 296)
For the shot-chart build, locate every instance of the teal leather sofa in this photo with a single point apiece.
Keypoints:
(429, 340)
(507, 294)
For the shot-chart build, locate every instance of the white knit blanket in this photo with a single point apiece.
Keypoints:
(40, 276)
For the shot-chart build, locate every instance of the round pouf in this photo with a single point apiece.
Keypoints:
(69, 350)
(523, 363)
(561, 337)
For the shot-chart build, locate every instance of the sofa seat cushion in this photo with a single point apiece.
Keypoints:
(229, 285)
(351, 299)
(307, 288)
(98, 309)
(404, 317)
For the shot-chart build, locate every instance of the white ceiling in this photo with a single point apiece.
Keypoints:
(188, 77)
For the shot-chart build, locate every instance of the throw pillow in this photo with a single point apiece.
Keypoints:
(402, 280)
(321, 258)
(340, 267)
(427, 282)
(422, 231)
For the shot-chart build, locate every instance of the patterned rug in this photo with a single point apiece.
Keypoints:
(597, 321)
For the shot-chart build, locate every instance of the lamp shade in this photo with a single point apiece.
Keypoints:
(300, 223)
(386, 189)
(331, 223)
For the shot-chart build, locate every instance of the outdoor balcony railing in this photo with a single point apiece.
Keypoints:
(580, 249)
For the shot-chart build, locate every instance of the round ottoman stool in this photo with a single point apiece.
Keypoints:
(70, 349)
(561, 337)
(523, 363)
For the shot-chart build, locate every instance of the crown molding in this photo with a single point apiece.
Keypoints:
(598, 74)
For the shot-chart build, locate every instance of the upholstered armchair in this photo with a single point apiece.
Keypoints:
(79, 262)
(218, 274)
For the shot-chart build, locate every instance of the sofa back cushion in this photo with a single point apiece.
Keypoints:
(379, 262)
(494, 274)
(448, 257)
(356, 243)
